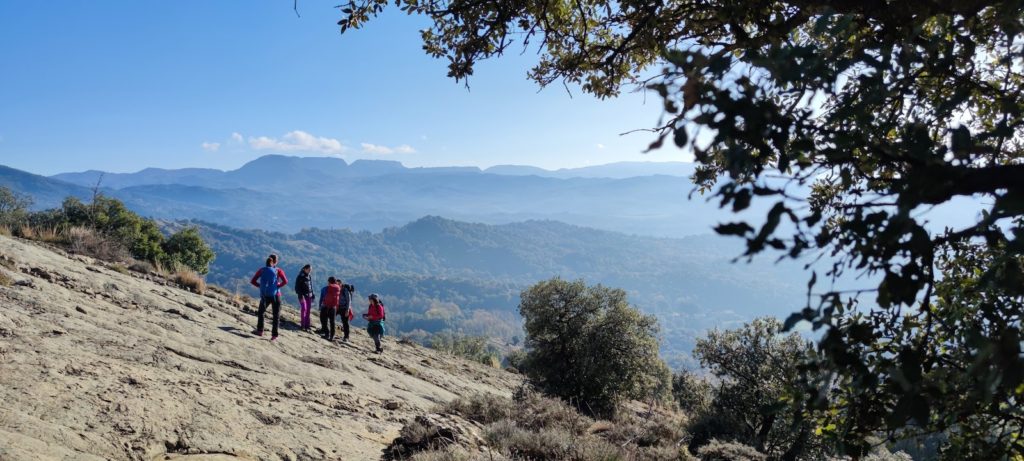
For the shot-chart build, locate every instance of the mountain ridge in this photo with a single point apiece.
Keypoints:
(274, 163)
(270, 195)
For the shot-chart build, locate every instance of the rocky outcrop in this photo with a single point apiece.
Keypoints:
(100, 363)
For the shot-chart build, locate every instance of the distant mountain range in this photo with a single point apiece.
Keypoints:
(288, 194)
(280, 169)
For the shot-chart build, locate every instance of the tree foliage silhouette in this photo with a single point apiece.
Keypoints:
(884, 110)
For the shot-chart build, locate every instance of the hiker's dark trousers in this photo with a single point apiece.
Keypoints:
(269, 301)
(343, 313)
(327, 321)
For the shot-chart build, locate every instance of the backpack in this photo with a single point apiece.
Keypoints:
(346, 296)
(333, 297)
(268, 282)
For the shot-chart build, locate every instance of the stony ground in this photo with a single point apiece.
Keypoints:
(99, 364)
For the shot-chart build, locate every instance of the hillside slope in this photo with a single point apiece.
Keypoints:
(96, 364)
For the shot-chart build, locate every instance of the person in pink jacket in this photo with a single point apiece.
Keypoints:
(375, 316)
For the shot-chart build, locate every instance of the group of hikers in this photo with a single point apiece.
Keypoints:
(336, 300)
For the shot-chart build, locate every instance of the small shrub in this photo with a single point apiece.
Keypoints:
(119, 268)
(142, 267)
(5, 280)
(516, 359)
(5, 230)
(537, 412)
(186, 247)
(648, 430)
(85, 241)
(449, 453)
(8, 262)
(551, 443)
(482, 408)
(718, 450)
(189, 279)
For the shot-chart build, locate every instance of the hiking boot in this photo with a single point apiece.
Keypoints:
(380, 350)
(257, 332)
(273, 339)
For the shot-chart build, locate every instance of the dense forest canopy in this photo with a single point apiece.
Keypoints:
(886, 109)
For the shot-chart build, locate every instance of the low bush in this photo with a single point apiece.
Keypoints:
(86, 241)
(475, 348)
(516, 359)
(717, 450)
(449, 453)
(550, 443)
(189, 279)
(119, 268)
(537, 412)
(482, 408)
(534, 427)
(648, 430)
(5, 280)
(142, 267)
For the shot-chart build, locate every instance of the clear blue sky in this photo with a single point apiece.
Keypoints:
(123, 85)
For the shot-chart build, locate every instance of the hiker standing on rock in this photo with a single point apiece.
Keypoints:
(375, 317)
(304, 290)
(345, 307)
(269, 280)
(273, 262)
(330, 298)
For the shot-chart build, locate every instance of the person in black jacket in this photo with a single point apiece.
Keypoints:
(345, 306)
(304, 290)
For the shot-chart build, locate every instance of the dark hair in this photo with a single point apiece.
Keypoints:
(307, 266)
(270, 261)
(273, 256)
(331, 280)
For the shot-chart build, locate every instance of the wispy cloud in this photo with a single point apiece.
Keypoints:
(297, 141)
(210, 146)
(237, 137)
(600, 146)
(377, 149)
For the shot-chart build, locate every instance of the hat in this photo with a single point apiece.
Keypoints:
(374, 297)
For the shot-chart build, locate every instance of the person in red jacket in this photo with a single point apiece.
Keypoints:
(330, 299)
(375, 317)
(269, 280)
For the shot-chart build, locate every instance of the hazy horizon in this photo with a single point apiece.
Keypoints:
(349, 162)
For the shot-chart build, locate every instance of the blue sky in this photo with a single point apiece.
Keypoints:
(119, 86)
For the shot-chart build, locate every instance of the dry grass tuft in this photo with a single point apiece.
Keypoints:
(50, 235)
(26, 232)
(5, 230)
(119, 268)
(85, 241)
(5, 280)
(190, 280)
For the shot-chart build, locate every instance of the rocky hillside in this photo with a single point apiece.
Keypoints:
(100, 363)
